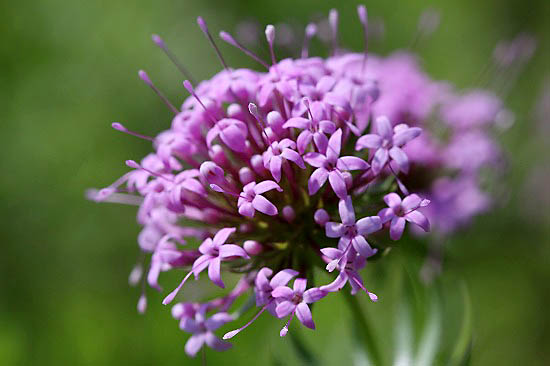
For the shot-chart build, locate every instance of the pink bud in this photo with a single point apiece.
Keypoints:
(246, 175)
(321, 217)
(252, 247)
(288, 213)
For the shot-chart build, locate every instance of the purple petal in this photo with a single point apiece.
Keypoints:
(285, 308)
(369, 225)
(334, 145)
(207, 246)
(261, 280)
(380, 159)
(297, 122)
(386, 214)
(215, 343)
(351, 163)
(212, 134)
(265, 186)
(334, 229)
(222, 235)
(411, 202)
(201, 263)
(337, 284)
(214, 272)
(282, 278)
(327, 127)
(383, 127)
(317, 180)
(406, 135)
(232, 250)
(217, 320)
(321, 142)
(396, 228)
(331, 252)
(194, 344)
(294, 157)
(392, 200)
(304, 138)
(283, 292)
(315, 159)
(246, 209)
(400, 158)
(261, 204)
(361, 246)
(189, 325)
(304, 315)
(419, 219)
(275, 167)
(300, 285)
(370, 141)
(324, 85)
(338, 184)
(234, 137)
(313, 295)
(347, 213)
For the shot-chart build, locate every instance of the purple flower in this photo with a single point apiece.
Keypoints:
(202, 330)
(213, 252)
(295, 301)
(351, 232)
(232, 132)
(388, 143)
(264, 287)
(401, 211)
(279, 151)
(348, 267)
(330, 165)
(251, 199)
(313, 128)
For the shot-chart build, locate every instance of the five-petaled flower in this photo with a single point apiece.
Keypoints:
(401, 211)
(251, 199)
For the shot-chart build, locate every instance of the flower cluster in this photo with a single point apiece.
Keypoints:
(303, 167)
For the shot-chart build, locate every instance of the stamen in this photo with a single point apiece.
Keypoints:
(168, 299)
(204, 28)
(133, 164)
(187, 85)
(160, 43)
(143, 76)
(233, 333)
(284, 331)
(120, 127)
(372, 295)
(363, 18)
(270, 36)
(311, 30)
(333, 22)
(229, 39)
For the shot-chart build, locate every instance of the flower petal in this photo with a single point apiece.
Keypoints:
(284, 308)
(304, 315)
(346, 163)
(400, 157)
(386, 214)
(369, 225)
(411, 202)
(347, 213)
(262, 204)
(334, 145)
(282, 277)
(215, 343)
(317, 180)
(265, 186)
(222, 235)
(304, 138)
(313, 295)
(300, 285)
(392, 200)
(369, 141)
(246, 209)
(418, 218)
(396, 228)
(334, 229)
(361, 246)
(406, 135)
(315, 159)
(293, 156)
(321, 142)
(383, 127)
(232, 250)
(217, 320)
(214, 272)
(275, 167)
(337, 284)
(297, 122)
(379, 160)
(331, 252)
(194, 344)
(338, 184)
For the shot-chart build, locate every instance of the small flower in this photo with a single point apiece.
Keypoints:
(388, 144)
(330, 165)
(251, 199)
(295, 301)
(203, 329)
(401, 211)
(352, 233)
(277, 152)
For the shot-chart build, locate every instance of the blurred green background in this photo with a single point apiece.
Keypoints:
(68, 69)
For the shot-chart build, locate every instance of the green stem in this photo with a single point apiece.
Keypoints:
(362, 323)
